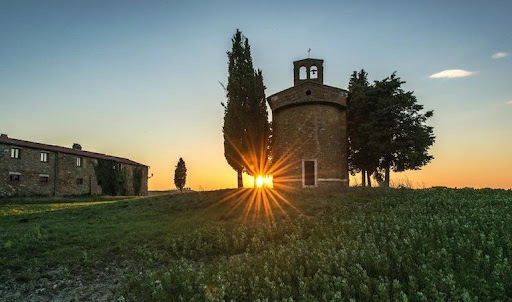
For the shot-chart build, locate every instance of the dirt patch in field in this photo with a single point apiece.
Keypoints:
(91, 283)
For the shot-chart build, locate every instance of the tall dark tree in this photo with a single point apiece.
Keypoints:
(246, 128)
(180, 175)
(258, 129)
(387, 128)
(404, 137)
(363, 149)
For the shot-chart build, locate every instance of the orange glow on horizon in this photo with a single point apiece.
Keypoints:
(458, 162)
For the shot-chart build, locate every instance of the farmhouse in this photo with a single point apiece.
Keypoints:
(29, 168)
(309, 123)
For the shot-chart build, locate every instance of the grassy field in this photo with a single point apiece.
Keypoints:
(361, 245)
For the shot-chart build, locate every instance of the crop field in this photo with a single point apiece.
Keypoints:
(361, 245)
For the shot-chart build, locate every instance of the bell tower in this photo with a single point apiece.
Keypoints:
(309, 124)
(308, 70)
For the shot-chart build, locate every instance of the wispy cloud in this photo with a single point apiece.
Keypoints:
(499, 55)
(509, 102)
(452, 73)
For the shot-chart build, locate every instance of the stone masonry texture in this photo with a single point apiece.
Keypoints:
(310, 123)
(64, 177)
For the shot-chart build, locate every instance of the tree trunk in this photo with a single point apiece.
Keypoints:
(363, 178)
(240, 180)
(368, 175)
(386, 178)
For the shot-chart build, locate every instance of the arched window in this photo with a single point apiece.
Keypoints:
(313, 72)
(303, 73)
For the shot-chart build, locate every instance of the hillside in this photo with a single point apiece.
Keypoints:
(417, 245)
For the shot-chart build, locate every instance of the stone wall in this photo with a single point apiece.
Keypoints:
(308, 92)
(64, 176)
(129, 172)
(69, 174)
(30, 166)
(310, 132)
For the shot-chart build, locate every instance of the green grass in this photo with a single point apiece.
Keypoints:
(423, 245)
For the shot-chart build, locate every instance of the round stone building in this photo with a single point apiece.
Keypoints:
(309, 123)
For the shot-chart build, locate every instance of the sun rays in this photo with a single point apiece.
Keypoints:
(273, 179)
(261, 204)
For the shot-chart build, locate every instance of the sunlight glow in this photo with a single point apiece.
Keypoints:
(263, 181)
(266, 198)
(259, 181)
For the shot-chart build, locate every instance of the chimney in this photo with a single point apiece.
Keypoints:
(4, 135)
(77, 146)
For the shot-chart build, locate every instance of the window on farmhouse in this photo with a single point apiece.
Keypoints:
(15, 153)
(44, 157)
(14, 176)
(78, 161)
(79, 181)
(44, 178)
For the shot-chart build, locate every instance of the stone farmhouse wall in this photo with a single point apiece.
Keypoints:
(58, 176)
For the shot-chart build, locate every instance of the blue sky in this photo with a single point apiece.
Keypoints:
(141, 79)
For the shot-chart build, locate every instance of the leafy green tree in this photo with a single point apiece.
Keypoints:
(363, 151)
(111, 177)
(180, 175)
(246, 128)
(403, 134)
(386, 127)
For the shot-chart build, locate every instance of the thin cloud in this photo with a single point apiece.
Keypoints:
(509, 102)
(499, 55)
(452, 73)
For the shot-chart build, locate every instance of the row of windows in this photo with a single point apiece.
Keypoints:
(43, 178)
(16, 153)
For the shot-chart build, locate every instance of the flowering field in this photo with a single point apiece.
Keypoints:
(403, 245)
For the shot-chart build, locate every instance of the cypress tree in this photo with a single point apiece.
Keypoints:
(258, 129)
(180, 175)
(246, 128)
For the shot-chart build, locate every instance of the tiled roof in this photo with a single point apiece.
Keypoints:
(4, 139)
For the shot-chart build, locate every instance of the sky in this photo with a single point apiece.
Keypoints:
(141, 79)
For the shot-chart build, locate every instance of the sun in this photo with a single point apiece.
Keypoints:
(263, 181)
(260, 181)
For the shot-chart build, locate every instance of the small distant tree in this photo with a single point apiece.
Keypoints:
(180, 175)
